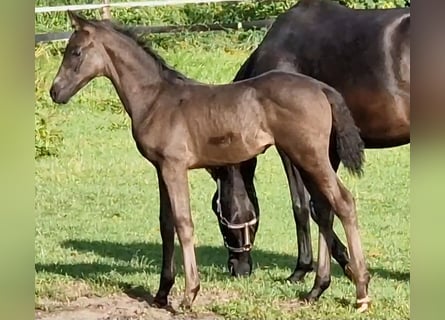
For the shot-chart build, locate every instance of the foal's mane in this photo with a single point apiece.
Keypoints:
(143, 43)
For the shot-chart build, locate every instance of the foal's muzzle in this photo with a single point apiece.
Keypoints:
(61, 91)
(56, 95)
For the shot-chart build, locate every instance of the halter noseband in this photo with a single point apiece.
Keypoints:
(247, 246)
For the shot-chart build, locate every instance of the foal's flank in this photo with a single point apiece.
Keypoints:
(179, 124)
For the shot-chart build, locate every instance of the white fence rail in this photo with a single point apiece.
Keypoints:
(131, 4)
(64, 35)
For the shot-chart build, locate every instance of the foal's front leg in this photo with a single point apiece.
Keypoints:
(168, 244)
(176, 182)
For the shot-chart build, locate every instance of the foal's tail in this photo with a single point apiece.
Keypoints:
(350, 146)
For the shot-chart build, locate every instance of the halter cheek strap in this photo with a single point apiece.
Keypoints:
(247, 245)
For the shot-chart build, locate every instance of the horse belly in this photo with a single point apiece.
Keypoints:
(233, 148)
(383, 119)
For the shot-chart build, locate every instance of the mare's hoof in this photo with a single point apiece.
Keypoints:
(363, 304)
(309, 299)
(297, 276)
(300, 273)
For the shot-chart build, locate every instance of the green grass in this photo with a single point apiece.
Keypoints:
(97, 212)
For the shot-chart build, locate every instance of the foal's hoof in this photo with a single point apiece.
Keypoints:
(160, 302)
(185, 305)
(363, 304)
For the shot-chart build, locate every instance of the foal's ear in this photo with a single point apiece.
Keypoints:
(77, 21)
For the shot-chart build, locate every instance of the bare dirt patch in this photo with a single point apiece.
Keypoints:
(134, 305)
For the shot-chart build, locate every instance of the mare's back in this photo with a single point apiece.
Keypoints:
(330, 42)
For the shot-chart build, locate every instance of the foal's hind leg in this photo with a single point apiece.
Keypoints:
(344, 206)
(325, 180)
(321, 178)
(338, 249)
(300, 208)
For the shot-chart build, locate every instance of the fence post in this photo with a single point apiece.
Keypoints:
(106, 12)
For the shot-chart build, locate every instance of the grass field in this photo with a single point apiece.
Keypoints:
(97, 230)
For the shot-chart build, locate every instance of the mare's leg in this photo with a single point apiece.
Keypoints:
(247, 170)
(176, 182)
(325, 219)
(338, 250)
(300, 208)
(168, 246)
(340, 253)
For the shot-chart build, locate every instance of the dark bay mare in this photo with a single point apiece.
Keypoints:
(179, 124)
(365, 55)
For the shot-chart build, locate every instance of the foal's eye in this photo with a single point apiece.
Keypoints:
(76, 52)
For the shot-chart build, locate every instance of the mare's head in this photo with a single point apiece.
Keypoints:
(84, 59)
(236, 208)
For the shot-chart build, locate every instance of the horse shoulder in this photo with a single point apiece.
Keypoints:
(162, 130)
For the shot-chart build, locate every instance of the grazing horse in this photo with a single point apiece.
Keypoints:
(365, 55)
(179, 124)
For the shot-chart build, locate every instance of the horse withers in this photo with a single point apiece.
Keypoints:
(179, 124)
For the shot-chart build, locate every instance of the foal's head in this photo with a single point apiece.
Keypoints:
(83, 60)
(236, 208)
(102, 48)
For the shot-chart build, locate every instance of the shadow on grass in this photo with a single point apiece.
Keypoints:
(401, 276)
(211, 260)
(207, 257)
